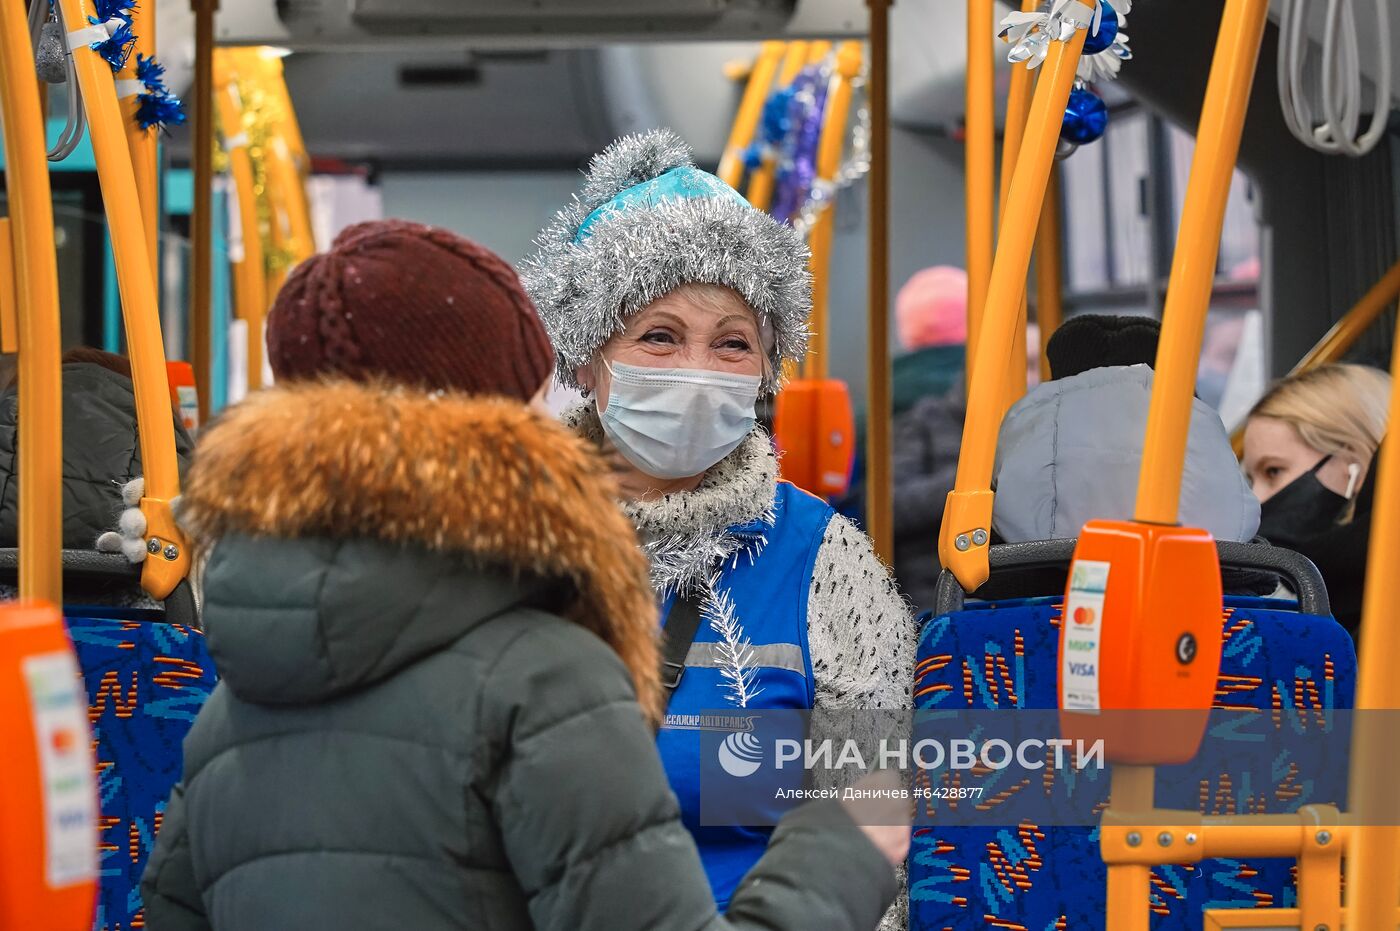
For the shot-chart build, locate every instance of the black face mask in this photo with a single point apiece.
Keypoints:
(1300, 510)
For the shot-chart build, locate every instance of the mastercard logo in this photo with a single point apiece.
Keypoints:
(1084, 615)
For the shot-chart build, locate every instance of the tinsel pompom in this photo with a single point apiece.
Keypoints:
(1102, 40)
(1086, 117)
(159, 110)
(157, 106)
(117, 48)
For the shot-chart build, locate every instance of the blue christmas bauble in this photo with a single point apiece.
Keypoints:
(1086, 117)
(1108, 31)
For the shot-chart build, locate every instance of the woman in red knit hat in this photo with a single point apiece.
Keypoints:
(437, 648)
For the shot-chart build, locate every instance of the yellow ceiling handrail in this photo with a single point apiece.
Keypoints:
(1018, 103)
(168, 563)
(1049, 289)
(838, 107)
(731, 163)
(1197, 252)
(1344, 334)
(979, 128)
(35, 284)
(1188, 301)
(1375, 864)
(250, 272)
(967, 519)
(142, 142)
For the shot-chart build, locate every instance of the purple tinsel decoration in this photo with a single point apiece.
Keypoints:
(798, 168)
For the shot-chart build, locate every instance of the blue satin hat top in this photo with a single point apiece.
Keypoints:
(685, 182)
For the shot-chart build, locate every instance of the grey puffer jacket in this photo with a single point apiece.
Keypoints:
(1070, 451)
(431, 645)
(101, 452)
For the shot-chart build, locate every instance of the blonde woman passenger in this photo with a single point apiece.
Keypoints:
(1310, 448)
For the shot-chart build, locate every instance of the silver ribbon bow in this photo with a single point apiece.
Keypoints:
(1030, 35)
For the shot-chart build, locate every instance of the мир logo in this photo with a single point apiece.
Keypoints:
(740, 755)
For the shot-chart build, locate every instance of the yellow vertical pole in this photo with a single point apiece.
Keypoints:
(1049, 290)
(1130, 792)
(161, 573)
(250, 275)
(967, 518)
(1373, 860)
(761, 183)
(36, 299)
(838, 105)
(1197, 253)
(1018, 103)
(202, 233)
(141, 142)
(879, 508)
(731, 164)
(980, 131)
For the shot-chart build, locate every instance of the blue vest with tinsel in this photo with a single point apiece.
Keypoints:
(769, 594)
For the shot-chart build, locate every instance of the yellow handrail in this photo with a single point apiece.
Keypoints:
(979, 128)
(1188, 301)
(1375, 864)
(1049, 290)
(36, 299)
(201, 222)
(761, 180)
(967, 518)
(1357, 321)
(250, 281)
(1018, 103)
(141, 142)
(731, 164)
(1197, 252)
(838, 106)
(169, 562)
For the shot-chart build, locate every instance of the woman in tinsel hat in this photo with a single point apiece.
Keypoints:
(673, 304)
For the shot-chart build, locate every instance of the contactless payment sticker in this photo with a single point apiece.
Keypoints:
(59, 712)
(1079, 671)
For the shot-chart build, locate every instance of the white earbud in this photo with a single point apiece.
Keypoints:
(1354, 474)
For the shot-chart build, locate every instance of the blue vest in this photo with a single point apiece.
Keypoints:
(770, 602)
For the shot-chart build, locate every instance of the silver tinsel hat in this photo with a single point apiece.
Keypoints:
(646, 222)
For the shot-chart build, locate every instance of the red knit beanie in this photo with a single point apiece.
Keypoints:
(414, 304)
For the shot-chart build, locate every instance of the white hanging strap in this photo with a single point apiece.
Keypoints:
(130, 88)
(236, 141)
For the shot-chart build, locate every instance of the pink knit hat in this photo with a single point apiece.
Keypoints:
(931, 308)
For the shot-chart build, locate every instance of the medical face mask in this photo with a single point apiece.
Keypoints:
(1300, 510)
(676, 423)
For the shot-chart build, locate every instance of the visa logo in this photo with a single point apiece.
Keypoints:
(1081, 669)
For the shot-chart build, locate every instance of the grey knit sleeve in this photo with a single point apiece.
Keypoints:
(860, 630)
(861, 634)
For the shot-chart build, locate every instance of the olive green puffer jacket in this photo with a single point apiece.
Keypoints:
(432, 627)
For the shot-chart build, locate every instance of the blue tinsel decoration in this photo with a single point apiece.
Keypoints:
(157, 106)
(1102, 40)
(117, 49)
(1086, 117)
(159, 110)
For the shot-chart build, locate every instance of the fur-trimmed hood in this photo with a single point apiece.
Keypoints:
(484, 479)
